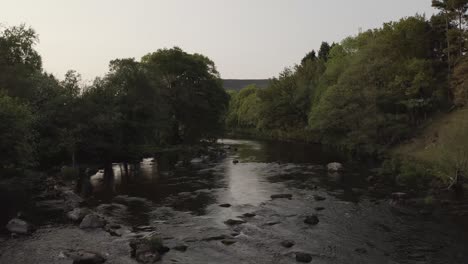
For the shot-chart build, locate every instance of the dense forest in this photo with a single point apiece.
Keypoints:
(367, 93)
(169, 97)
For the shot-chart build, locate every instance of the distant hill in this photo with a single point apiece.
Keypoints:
(237, 84)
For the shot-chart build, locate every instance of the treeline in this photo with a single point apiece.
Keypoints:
(367, 93)
(168, 97)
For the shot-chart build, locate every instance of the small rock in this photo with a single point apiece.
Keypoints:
(234, 222)
(319, 208)
(272, 223)
(211, 238)
(92, 221)
(311, 220)
(287, 243)
(303, 257)
(335, 167)
(361, 250)
(226, 205)
(281, 196)
(180, 247)
(319, 198)
(249, 215)
(19, 226)
(228, 242)
(235, 161)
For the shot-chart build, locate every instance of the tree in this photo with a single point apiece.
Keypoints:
(192, 87)
(16, 133)
(324, 51)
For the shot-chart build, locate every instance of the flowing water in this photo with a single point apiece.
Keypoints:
(182, 203)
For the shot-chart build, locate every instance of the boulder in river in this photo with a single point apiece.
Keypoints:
(335, 167)
(311, 220)
(303, 257)
(226, 205)
(281, 196)
(235, 161)
(92, 221)
(19, 226)
(232, 222)
(147, 250)
(77, 214)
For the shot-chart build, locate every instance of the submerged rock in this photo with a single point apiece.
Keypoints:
(228, 242)
(92, 221)
(226, 205)
(335, 167)
(319, 198)
(234, 222)
(181, 248)
(311, 220)
(287, 243)
(281, 196)
(19, 226)
(235, 161)
(249, 215)
(319, 208)
(303, 257)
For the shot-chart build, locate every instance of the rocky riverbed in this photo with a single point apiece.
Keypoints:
(279, 203)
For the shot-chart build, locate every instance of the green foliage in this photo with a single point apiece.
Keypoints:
(16, 134)
(168, 97)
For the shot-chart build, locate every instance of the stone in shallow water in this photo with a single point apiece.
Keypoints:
(319, 198)
(287, 243)
(303, 257)
(319, 208)
(181, 247)
(249, 215)
(311, 220)
(226, 205)
(281, 196)
(234, 222)
(335, 166)
(228, 242)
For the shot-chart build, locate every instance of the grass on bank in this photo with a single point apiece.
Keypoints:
(440, 150)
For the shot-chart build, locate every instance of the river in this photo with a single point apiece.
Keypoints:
(184, 208)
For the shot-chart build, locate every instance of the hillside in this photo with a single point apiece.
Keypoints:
(237, 84)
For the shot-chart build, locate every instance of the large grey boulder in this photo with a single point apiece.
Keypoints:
(335, 167)
(92, 221)
(19, 226)
(77, 214)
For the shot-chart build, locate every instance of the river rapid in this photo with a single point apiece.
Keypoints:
(180, 203)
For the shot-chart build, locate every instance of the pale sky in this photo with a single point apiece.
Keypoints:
(245, 38)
